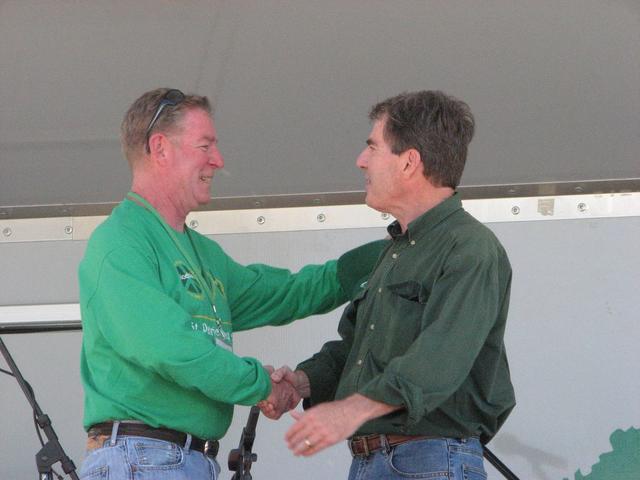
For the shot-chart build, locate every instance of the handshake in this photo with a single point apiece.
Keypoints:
(322, 425)
(287, 389)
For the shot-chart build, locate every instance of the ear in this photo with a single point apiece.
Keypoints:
(159, 148)
(412, 163)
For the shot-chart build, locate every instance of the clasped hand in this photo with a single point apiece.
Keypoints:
(284, 393)
(324, 424)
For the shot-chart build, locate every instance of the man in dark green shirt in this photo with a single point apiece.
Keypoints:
(419, 379)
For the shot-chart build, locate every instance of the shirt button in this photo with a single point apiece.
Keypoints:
(395, 255)
(413, 242)
(380, 290)
(359, 362)
(372, 327)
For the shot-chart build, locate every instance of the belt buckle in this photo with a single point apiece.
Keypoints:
(365, 447)
(207, 446)
(365, 443)
(352, 448)
(210, 448)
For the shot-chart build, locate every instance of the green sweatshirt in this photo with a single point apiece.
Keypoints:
(158, 311)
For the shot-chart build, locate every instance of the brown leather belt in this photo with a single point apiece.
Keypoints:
(363, 446)
(208, 447)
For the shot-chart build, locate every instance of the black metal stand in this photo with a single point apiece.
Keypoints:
(52, 452)
(241, 458)
(501, 467)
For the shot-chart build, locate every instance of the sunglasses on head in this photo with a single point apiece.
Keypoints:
(170, 99)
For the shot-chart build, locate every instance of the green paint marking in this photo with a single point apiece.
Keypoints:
(622, 463)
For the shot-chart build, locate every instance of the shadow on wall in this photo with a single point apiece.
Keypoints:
(509, 444)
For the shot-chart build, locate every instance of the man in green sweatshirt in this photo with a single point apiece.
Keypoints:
(160, 303)
(419, 379)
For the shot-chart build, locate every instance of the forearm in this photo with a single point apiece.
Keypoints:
(363, 409)
(330, 422)
(358, 406)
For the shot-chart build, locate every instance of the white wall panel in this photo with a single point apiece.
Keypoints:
(571, 339)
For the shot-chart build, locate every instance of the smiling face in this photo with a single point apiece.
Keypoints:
(382, 171)
(194, 159)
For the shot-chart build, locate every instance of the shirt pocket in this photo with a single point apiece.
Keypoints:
(411, 291)
(403, 312)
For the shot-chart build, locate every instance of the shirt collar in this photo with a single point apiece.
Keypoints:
(428, 220)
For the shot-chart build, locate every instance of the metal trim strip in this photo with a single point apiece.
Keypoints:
(470, 192)
(329, 217)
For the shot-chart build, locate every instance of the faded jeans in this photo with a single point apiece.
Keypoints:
(432, 458)
(141, 458)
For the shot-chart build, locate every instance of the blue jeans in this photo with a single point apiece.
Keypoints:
(141, 458)
(435, 459)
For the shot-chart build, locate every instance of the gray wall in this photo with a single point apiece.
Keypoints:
(554, 87)
(572, 342)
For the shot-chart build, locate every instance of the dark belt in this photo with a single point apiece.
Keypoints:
(363, 446)
(208, 447)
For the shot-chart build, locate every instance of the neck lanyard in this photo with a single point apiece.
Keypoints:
(222, 333)
(197, 268)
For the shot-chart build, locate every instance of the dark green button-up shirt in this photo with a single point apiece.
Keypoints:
(426, 332)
